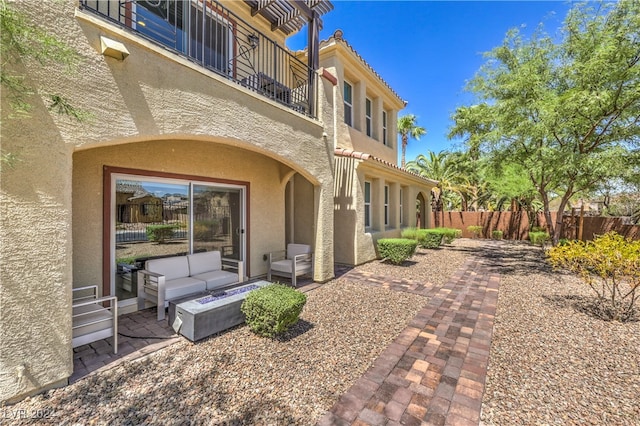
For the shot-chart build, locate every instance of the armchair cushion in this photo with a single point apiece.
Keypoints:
(171, 267)
(204, 262)
(295, 249)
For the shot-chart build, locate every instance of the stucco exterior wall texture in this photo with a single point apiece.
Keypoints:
(152, 111)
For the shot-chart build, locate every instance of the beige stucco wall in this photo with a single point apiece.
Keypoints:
(182, 119)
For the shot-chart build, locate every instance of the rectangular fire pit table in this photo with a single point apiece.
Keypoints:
(199, 316)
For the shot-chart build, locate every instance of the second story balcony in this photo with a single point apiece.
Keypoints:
(211, 35)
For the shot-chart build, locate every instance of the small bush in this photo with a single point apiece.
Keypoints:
(496, 235)
(410, 233)
(271, 310)
(396, 250)
(160, 233)
(429, 238)
(538, 238)
(538, 229)
(476, 230)
(448, 234)
(610, 265)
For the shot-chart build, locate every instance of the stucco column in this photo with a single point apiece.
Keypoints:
(359, 96)
(376, 118)
(392, 129)
(428, 210)
(394, 205)
(323, 250)
(35, 259)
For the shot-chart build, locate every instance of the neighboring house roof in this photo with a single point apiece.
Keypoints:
(337, 37)
(287, 15)
(342, 152)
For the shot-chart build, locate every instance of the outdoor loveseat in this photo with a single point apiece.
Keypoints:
(174, 277)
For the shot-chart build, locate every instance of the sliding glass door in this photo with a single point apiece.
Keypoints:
(159, 217)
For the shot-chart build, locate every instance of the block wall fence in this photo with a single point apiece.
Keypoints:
(515, 225)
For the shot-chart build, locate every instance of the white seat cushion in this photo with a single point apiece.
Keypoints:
(170, 267)
(217, 279)
(181, 287)
(200, 263)
(287, 266)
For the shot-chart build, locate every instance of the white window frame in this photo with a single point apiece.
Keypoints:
(386, 205)
(348, 104)
(368, 107)
(384, 127)
(401, 212)
(367, 204)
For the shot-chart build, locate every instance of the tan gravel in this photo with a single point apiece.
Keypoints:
(239, 378)
(551, 362)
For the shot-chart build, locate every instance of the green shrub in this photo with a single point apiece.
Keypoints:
(538, 238)
(160, 233)
(429, 238)
(272, 309)
(410, 233)
(496, 234)
(538, 229)
(476, 230)
(396, 250)
(448, 234)
(610, 265)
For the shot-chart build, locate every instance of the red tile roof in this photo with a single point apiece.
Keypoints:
(342, 152)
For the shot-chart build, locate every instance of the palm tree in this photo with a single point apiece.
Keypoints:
(407, 127)
(439, 167)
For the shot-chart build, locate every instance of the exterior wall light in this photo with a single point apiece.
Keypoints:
(113, 48)
(253, 40)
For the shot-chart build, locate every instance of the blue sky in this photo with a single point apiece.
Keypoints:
(427, 50)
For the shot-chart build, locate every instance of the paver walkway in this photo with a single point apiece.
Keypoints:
(434, 371)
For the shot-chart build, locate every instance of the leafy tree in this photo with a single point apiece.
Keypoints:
(22, 44)
(566, 112)
(407, 127)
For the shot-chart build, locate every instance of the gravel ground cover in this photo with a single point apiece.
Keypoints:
(239, 378)
(551, 361)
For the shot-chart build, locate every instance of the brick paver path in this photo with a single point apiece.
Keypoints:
(434, 372)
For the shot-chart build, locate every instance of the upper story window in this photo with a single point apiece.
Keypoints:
(384, 128)
(348, 104)
(367, 117)
(367, 204)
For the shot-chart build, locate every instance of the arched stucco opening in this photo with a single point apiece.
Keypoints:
(262, 178)
(422, 220)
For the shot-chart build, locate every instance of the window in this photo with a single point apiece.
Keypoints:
(187, 216)
(386, 205)
(368, 116)
(202, 34)
(384, 127)
(401, 212)
(367, 204)
(348, 104)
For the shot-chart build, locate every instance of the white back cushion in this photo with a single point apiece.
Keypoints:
(296, 249)
(170, 267)
(204, 262)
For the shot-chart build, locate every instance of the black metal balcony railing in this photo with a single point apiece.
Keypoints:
(210, 35)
